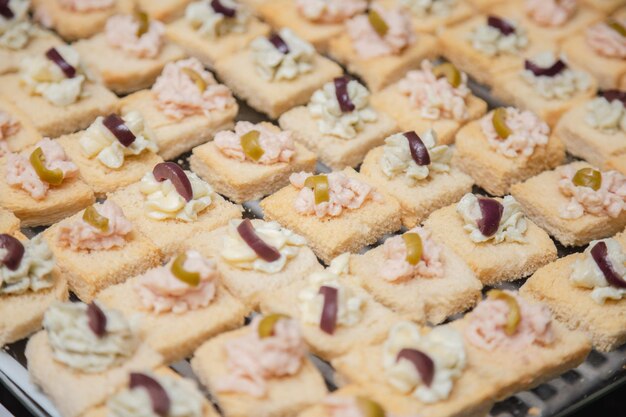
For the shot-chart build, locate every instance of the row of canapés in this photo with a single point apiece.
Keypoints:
(155, 212)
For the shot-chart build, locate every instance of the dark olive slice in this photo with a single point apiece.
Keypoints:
(171, 171)
(378, 23)
(14, 251)
(321, 189)
(330, 309)
(51, 176)
(600, 255)
(448, 70)
(588, 177)
(413, 243)
(502, 25)
(267, 323)
(218, 7)
(158, 396)
(178, 270)
(499, 123)
(617, 26)
(143, 23)
(53, 55)
(96, 319)
(419, 152)
(514, 316)
(611, 95)
(118, 128)
(491, 211)
(551, 71)
(423, 364)
(279, 43)
(248, 234)
(5, 10)
(369, 408)
(341, 91)
(95, 219)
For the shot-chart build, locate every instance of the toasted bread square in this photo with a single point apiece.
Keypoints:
(27, 135)
(22, 314)
(89, 271)
(40, 41)
(60, 201)
(330, 237)
(173, 136)
(286, 396)
(379, 72)
(417, 201)
(604, 323)
(273, 97)
(176, 336)
(135, 74)
(617, 163)
(104, 411)
(164, 10)
(495, 172)
(398, 106)
(432, 23)
(542, 200)
(420, 299)
(492, 263)
(8, 222)
(170, 235)
(71, 24)
(74, 392)
(243, 181)
(249, 285)
(372, 327)
(101, 178)
(604, 6)
(336, 152)
(584, 141)
(209, 50)
(54, 121)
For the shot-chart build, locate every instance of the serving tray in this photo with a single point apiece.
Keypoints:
(598, 375)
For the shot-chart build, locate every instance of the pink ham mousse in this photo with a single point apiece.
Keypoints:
(608, 200)
(551, 12)
(121, 33)
(606, 41)
(397, 269)
(277, 145)
(8, 127)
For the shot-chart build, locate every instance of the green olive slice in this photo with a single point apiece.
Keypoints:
(251, 146)
(514, 316)
(369, 408)
(266, 326)
(617, 26)
(196, 78)
(319, 184)
(179, 271)
(588, 177)
(51, 176)
(499, 123)
(144, 23)
(378, 23)
(413, 243)
(95, 219)
(452, 74)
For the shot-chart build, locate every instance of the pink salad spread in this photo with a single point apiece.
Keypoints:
(179, 96)
(339, 406)
(81, 235)
(277, 144)
(607, 200)
(161, 291)
(551, 12)
(369, 44)
(86, 5)
(8, 127)
(489, 319)
(435, 98)
(121, 33)
(396, 268)
(527, 132)
(20, 172)
(344, 193)
(330, 11)
(253, 360)
(607, 41)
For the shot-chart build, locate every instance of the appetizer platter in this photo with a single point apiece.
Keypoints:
(312, 208)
